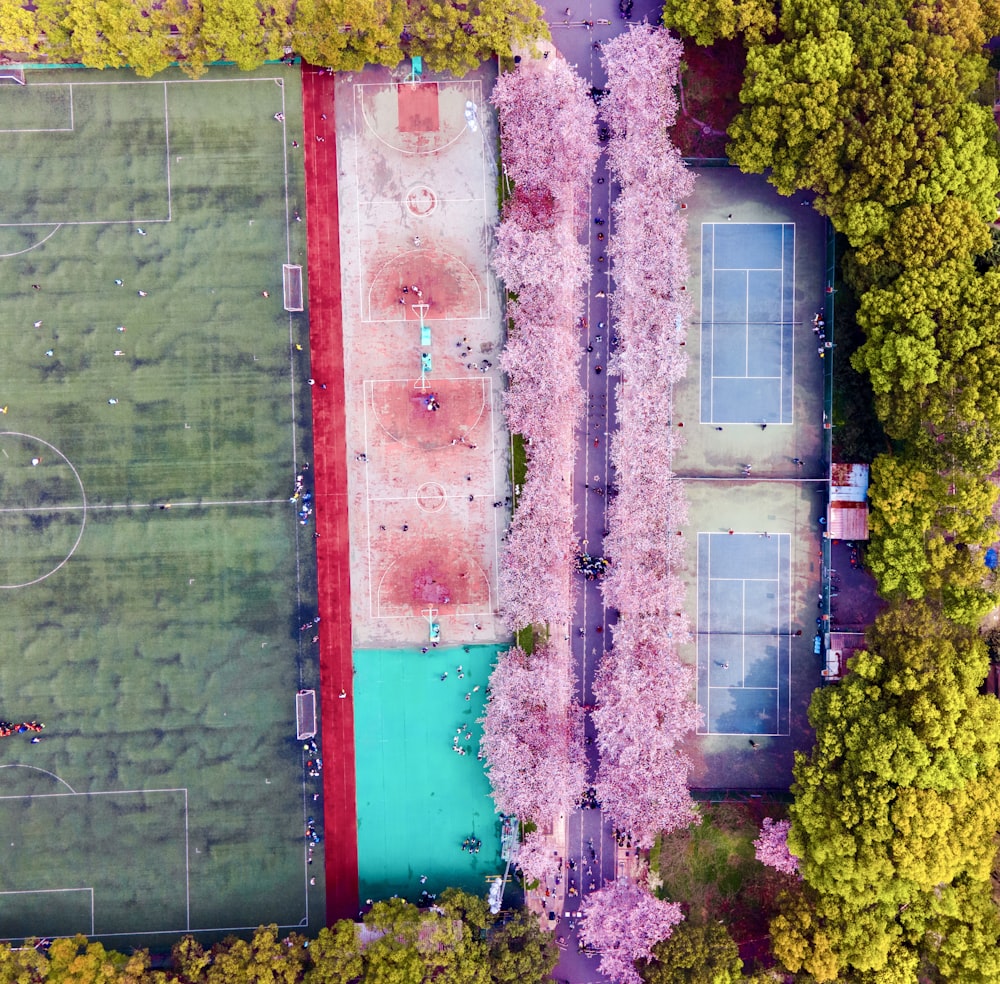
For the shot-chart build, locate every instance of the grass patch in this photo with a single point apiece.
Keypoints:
(712, 871)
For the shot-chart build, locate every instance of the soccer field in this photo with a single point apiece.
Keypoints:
(154, 577)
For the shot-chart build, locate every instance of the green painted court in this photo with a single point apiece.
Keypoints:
(418, 799)
(154, 577)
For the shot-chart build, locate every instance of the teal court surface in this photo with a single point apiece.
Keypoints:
(153, 574)
(743, 632)
(418, 798)
(747, 303)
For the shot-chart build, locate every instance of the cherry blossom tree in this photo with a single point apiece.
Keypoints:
(644, 710)
(772, 847)
(549, 149)
(623, 922)
(644, 691)
(533, 735)
(536, 859)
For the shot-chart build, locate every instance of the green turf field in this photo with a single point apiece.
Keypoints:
(419, 799)
(160, 646)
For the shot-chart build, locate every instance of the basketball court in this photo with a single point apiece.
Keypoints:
(426, 447)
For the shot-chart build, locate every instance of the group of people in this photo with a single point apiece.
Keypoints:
(431, 402)
(314, 764)
(472, 845)
(592, 567)
(7, 729)
(302, 498)
(819, 330)
(312, 837)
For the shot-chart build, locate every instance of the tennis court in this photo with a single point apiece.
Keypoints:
(155, 577)
(744, 635)
(418, 798)
(747, 316)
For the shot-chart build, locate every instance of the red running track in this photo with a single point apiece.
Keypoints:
(330, 494)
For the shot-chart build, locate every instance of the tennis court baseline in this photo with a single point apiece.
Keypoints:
(744, 640)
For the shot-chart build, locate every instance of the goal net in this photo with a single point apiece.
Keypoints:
(305, 714)
(292, 279)
(10, 75)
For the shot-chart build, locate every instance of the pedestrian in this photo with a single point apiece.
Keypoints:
(295, 143)
(118, 282)
(265, 293)
(754, 745)
(36, 286)
(142, 232)
(142, 293)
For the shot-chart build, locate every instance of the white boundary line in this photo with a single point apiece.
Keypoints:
(134, 792)
(783, 640)
(50, 891)
(487, 411)
(50, 129)
(136, 506)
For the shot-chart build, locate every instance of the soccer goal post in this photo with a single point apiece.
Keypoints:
(305, 714)
(292, 279)
(15, 75)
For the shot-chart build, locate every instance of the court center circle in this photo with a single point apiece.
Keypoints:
(430, 497)
(43, 509)
(421, 201)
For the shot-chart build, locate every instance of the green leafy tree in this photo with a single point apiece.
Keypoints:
(335, 955)
(707, 21)
(870, 106)
(521, 952)
(458, 37)
(348, 34)
(695, 954)
(898, 796)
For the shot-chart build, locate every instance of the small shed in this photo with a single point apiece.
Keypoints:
(841, 646)
(847, 511)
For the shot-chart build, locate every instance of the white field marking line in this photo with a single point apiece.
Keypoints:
(393, 147)
(52, 891)
(51, 129)
(187, 862)
(750, 269)
(397, 201)
(791, 409)
(478, 92)
(788, 640)
(746, 378)
(164, 83)
(756, 690)
(368, 508)
(702, 326)
(133, 792)
(72, 109)
(393, 259)
(97, 792)
(746, 324)
(708, 616)
(34, 768)
(166, 140)
(125, 506)
(743, 580)
(743, 632)
(41, 242)
(487, 390)
(179, 929)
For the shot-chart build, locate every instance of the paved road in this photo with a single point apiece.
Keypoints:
(590, 840)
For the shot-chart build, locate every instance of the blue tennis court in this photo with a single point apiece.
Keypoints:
(744, 637)
(747, 304)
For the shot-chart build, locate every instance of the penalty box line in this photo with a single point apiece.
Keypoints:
(127, 507)
(138, 792)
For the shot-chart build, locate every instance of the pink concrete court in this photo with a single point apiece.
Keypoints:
(426, 443)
